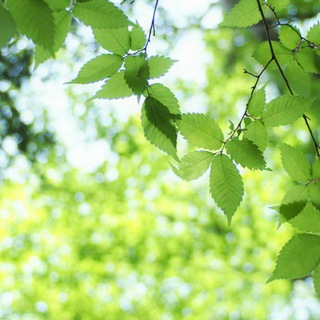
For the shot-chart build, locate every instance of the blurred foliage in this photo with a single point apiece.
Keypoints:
(129, 240)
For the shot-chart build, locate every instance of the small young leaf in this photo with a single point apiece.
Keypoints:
(242, 15)
(298, 78)
(246, 153)
(138, 37)
(299, 256)
(295, 163)
(159, 65)
(316, 280)
(114, 40)
(308, 220)
(99, 14)
(256, 131)
(116, 87)
(99, 68)
(308, 60)
(257, 102)
(136, 73)
(34, 19)
(284, 110)
(158, 127)
(201, 131)
(164, 96)
(7, 26)
(226, 185)
(289, 37)
(194, 165)
(314, 34)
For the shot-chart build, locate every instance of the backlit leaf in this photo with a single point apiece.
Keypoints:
(246, 153)
(99, 68)
(194, 165)
(100, 14)
(159, 65)
(289, 37)
(308, 60)
(257, 102)
(316, 280)
(158, 127)
(7, 26)
(201, 131)
(316, 168)
(299, 79)
(244, 14)
(278, 4)
(284, 110)
(290, 210)
(295, 163)
(226, 186)
(313, 34)
(299, 256)
(138, 38)
(314, 193)
(256, 131)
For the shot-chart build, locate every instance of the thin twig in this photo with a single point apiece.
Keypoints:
(152, 30)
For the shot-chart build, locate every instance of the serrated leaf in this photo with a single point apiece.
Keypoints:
(308, 60)
(99, 68)
(164, 96)
(136, 73)
(62, 22)
(299, 79)
(313, 34)
(316, 280)
(159, 65)
(34, 19)
(138, 37)
(278, 4)
(289, 37)
(299, 256)
(292, 209)
(246, 153)
(201, 131)
(100, 14)
(262, 54)
(193, 165)
(242, 15)
(226, 186)
(284, 110)
(256, 131)
(7, 26)
(308, 220)
(114, 40)
(316, 168)
(115, 87)
(257, 102)
(295, 163)
(296, 193)
(158, 127)
(314, 193)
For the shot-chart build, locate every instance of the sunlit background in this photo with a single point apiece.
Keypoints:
(94, 225)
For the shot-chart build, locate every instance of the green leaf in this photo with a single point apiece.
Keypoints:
(284, 110)
(98, 68)
(313, 34)
(292, 209)
(316, 280)
(159, 65)
(256, 131)
(263, 55)
(100, 14)
(242, 15)
(308, 60)
(194, 165)
(308, 220)
(226, 185)
(136, 73)
(201, 131)
(138, 38)
(114, 40)
(289, 37)
(299, 79)
(164, 96)
(158, 127)
(316, 169)
(34, 19)
(296, 193)
(57, 5)
(257, 102)
(245, 153)
(278, 4)
(116, 87)
(295, 163)
(314, 193)
(299, 256)
(7, 26)
(62, 21)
